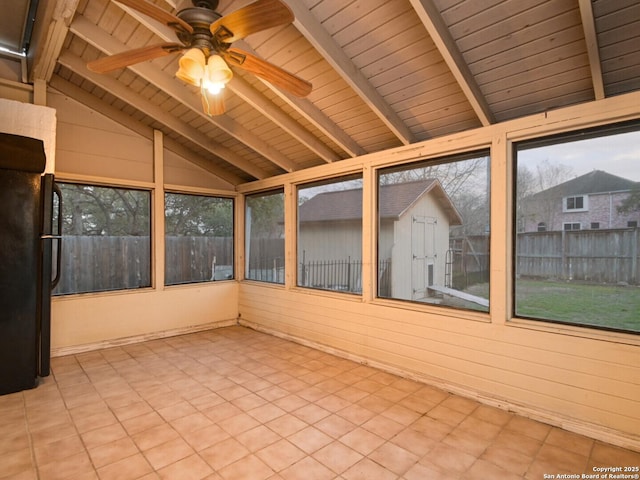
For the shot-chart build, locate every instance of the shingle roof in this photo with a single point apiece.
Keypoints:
(394, 200)
(596, 181)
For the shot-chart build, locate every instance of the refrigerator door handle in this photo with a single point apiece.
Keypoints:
(58, 192)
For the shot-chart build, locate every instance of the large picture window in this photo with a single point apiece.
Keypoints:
(106, 239)
(330, 235)
(198, 238)
(433, 232)
(264, 233)
(584, 268)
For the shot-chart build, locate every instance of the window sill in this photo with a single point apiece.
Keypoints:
(575, 331)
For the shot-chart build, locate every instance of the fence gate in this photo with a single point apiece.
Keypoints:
(423, 254)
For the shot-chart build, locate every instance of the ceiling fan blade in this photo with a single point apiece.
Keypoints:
(268, 71)
(212, 104)
(253, 18)
(131, 57)
(158, 14)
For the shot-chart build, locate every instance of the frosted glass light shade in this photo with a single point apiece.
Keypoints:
(192, 67)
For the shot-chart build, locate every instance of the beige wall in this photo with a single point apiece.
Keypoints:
(92, 148)
(581, 379)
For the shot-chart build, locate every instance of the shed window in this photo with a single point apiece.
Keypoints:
(330, 235)
(433, 232)
(588, 277)
(106, 239)
(198, 238)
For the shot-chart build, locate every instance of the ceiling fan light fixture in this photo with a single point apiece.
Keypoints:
(192, 67)
(217, 74)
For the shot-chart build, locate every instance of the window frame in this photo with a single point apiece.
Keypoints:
(279, 190)
(149, 191)
(547, 324)
(575, 198)
(480, 151)
(297, 187)
(166, 192)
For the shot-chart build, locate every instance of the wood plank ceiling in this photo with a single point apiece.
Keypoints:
(384, 73)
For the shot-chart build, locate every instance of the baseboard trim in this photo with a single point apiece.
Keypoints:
(596, 432)
(88, 347)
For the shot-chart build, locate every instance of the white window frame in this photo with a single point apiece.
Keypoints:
(585, 204)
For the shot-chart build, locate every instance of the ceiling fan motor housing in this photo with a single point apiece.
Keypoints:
(200, 18)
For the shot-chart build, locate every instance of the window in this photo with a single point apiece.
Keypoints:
(575, 203)
(632, 224)
(542, 227)
(570, 226)
(106, 239)
(330, 235)
(433, 232)
(264, 231)
(198, 238)
(590, 276)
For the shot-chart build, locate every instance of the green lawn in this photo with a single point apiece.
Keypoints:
(615, 307)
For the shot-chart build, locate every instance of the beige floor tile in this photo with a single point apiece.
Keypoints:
(233, 403)
(190, 468)
(367, 469)
(338, 457)
(16, 462)
(130, 468)
(450, 459)
(257, 438)
(280, 455)
(162, 455)
(154, 436)
(113, 452)
(224, 453)
(511, 460)
(249, 467)
(310, 439)
(73, 466)
(205, 437)
(103, 435)
(482, 469)
(394, 458)
(308, 469)
(363, 441)
(570, 441)
(335, 426)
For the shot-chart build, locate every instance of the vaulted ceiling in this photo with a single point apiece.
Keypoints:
(385, 73)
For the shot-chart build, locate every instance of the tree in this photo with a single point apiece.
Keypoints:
(198, 215)
(631, 203)
(94, 210)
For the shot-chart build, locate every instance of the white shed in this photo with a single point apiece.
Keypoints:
(413, 221)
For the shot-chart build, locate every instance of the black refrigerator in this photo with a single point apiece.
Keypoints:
(29, 266)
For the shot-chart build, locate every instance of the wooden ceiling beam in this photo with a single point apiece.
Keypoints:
(78, 94)
(315, 33)
(446, 45)
(113, 86)
(591, 39)
(100, 39)
(49, 44)
(265, 106)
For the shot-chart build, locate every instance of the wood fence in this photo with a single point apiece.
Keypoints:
(96, 263)
(102, 263)
(597, 256)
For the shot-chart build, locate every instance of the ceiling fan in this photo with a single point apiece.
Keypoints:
(207, 38)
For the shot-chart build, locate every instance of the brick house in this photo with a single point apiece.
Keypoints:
(587, 202)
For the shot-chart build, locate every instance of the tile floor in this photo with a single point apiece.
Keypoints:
(236, 404)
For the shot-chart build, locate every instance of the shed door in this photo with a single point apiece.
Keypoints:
(423, 252)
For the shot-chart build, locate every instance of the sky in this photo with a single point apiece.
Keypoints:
(618, 155)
